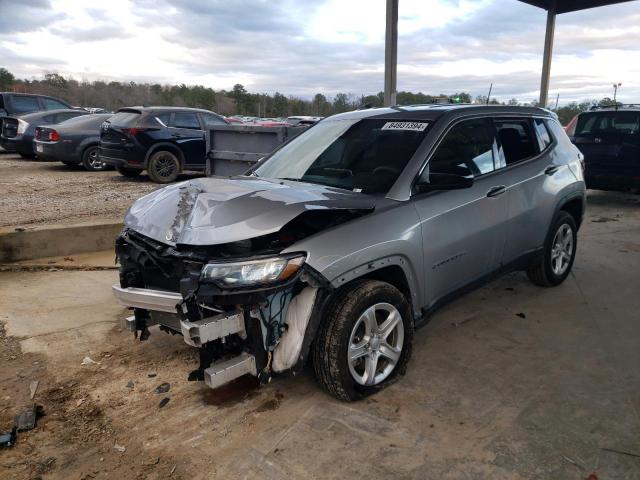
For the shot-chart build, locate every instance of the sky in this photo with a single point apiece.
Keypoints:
(304, 47)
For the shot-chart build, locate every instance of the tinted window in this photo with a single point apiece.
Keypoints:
(124, 118)
(61, 117)
(516, 141)
(544, 138)
(51, 104)
(164, 118)
(186, 120)
(608, 122)
(362, 155)
(467, 149)
(210, 120)
(23, 104)
(87, 121)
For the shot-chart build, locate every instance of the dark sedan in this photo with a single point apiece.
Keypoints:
(72, 142)
(18, 132)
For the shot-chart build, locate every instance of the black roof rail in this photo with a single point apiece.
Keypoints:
(614, 107)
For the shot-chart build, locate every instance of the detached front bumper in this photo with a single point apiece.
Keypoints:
(195, 333)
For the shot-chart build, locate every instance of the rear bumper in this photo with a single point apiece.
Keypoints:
(121, 158)
(53, 151)
(16, 145)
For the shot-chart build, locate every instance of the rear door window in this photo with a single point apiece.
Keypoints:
(24, 104)
(186, 120)
(467, 149)
(51, 104)
(542, 133)
(516, 141)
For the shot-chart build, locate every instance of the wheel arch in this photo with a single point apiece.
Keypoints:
(574, 204)
(170, 147)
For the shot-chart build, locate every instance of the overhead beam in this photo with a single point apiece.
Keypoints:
(391, 54)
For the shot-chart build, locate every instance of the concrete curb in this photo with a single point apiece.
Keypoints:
(56, 240)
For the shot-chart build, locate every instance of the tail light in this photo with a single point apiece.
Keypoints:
(54, 136)
(133, 131)
(22, 126)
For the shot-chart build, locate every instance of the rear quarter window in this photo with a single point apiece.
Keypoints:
(543, 135)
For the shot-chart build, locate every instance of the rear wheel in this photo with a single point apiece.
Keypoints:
(164, 167)
(554, 265)
(129, 172)
(365, 342)
(91, 159)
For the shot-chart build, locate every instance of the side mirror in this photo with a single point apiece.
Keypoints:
(443, 181)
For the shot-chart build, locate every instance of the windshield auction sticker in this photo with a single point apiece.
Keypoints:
(413, 126)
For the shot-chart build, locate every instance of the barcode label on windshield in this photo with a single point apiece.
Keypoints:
(413, 126)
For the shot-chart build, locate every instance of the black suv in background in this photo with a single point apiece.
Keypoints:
(609, 139)
(12, 104)
(163, 140)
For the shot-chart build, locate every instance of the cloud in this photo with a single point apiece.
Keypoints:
(330, 46)
(26, 15)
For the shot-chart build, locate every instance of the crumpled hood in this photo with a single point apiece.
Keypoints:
(212, 211)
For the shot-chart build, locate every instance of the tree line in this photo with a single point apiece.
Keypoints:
(237, 101)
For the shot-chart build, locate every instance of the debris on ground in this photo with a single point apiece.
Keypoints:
(80, 401)
(27, 420)
(621, 452)
(603, 219)
(173, 469)
(592, 476)
(8, 439)
(573, 462)
(33, 388)
(152, 375)
(163, 402)
(521, 315)
(130, 385)
(119, 448)
(89, 361)
(163, 388)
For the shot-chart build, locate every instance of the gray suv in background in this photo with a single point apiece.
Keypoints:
(344, 240)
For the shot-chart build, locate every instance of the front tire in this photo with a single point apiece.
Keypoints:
(164, 167)
(365, 340)
(554, 265)
(91, 159)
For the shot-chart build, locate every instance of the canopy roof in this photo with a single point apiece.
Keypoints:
(566, 6)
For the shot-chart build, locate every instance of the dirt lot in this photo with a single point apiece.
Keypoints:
(509, 382)
(72, 194)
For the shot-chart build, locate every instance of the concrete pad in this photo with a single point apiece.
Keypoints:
(511, 381)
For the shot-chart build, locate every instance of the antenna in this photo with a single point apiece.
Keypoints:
(489, 96)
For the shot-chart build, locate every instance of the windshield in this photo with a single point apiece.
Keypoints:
(362, 155)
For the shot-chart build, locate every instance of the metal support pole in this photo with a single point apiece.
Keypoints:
(548, 52)
(391, 53)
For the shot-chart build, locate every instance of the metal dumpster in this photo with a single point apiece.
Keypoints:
(232, 149)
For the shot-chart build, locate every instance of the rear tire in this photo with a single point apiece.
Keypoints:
(164, 167)
(554, 265)
(354, 354)
(91, 159)
(129, 172)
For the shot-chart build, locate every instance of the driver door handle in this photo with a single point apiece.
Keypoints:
(496, 191)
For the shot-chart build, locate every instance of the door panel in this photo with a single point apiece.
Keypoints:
(463, 230)
(187, 133)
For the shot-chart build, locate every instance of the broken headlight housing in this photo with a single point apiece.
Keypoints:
(263, 271)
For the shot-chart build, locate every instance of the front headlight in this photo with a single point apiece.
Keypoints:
(22, 126)
(252, 272)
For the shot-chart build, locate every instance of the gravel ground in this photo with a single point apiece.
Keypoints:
(37, 193)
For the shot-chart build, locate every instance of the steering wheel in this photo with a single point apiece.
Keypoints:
(386, 168)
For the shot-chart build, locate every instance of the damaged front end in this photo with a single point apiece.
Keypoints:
(246, 315)
(204, 259)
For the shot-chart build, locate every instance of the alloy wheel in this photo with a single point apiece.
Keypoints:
(562, 249)
(375, 344)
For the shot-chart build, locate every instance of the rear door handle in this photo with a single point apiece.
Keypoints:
(551, 169)
(496, 191)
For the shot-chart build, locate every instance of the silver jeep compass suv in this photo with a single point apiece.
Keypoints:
(343, 241)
